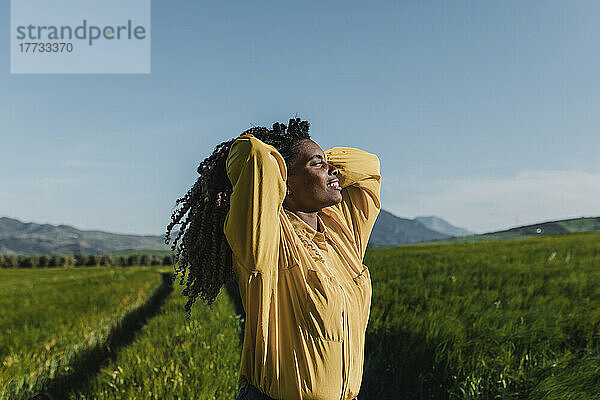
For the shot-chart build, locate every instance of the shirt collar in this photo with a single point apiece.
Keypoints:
(302, 228)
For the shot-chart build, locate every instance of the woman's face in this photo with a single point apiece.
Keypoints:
(312, 182)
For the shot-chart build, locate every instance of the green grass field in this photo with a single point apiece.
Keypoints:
(49, 318)
(499, 320)
(510, 320)
(172, 358)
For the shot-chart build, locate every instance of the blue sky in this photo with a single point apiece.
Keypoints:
(482, 113)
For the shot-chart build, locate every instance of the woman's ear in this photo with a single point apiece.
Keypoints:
(289, 192)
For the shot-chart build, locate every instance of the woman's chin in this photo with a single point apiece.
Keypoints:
(337, 199)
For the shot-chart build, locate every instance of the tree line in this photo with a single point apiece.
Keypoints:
(81, 260)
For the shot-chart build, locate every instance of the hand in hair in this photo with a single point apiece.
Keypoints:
(203, 257)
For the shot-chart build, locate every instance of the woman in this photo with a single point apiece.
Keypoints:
(296, 221)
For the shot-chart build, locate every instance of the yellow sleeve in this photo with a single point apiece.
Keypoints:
(257, 173)
(360, 179)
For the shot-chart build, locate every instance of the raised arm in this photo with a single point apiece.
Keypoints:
(257, 172)
(360, 180)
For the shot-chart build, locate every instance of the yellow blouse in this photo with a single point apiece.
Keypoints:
(306, 293)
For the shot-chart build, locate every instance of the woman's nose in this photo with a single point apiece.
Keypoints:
(333, 170)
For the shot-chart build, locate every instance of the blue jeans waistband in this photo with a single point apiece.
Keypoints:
(249, 392)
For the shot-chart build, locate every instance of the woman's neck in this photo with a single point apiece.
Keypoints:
(309, 217)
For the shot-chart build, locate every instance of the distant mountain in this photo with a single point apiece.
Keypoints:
(573, 225)
(390, 230)
(18, 237)
(437, 224)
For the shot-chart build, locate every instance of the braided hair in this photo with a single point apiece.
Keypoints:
(203, 249)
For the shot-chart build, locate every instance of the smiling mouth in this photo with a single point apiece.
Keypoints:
(334, 185)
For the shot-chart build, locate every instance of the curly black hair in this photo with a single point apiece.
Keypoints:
(203, 248)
